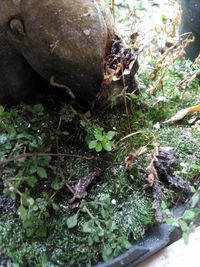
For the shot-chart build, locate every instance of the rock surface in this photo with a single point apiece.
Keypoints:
(62, 41)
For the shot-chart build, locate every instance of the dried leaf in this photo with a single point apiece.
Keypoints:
(134, 156)
(80, 188)
(174, 52)
(161, 169)
(157, 85)
(182, 113)
(178, 182)
(164, 167)
(157, 200)
(151, 176)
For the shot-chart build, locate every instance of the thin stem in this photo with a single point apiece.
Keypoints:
(92, 217)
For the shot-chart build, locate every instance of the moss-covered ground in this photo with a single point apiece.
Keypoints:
(118, 209)
(44, 152)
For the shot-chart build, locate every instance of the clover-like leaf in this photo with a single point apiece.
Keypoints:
(107, 252)
(92, 144)
(107, 146)
(41, 172)
(88, 227)
(98, 147)
(110, 135)
(72, 221)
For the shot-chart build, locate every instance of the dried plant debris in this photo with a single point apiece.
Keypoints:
(171, 55)
(162, 170)
(79, 190)
(120, 67)
(157, 200)
(164, 167)
(134, 156)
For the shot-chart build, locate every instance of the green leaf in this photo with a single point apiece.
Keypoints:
(55, 206)
(98, 147)
(107, 146)
(98, 136)
(173, 222)
(183, 225)
(92, 144)
(38, 108)
(189, 215)
(30, 201)
(110, 135)
(1, 110)
(100, 232)
(88, 227)
(185, 238)
(194, 166)
(22, 212)
(41, 231)
(56, 185)
(126, 244)
(98, 133)
(72, 221)
(41, 172)
(31, 181)
(29, 231)
(107, 252)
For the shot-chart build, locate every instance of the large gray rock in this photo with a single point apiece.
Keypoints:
(64, 41)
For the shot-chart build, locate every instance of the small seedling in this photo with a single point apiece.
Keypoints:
(100, 139)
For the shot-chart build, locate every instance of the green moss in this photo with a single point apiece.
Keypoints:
(117, 209)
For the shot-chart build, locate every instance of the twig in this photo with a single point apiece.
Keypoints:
(26, 155)
(6, 161)
(113, 8)
(69, 91)
(93, 218)
(67, 185)
(128, 136)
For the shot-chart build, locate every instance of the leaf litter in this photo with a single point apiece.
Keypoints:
(79, 190)
(160, 170)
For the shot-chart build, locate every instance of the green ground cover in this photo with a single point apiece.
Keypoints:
(46, 229)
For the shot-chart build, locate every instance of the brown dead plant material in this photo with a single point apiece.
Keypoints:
(79, 190)
(177, 18)
(112, 8)
(154, 37)
(120, 67)
(150, 170)
(159, 170)
(119, 63)
(134, 156)
(174, 52)
(62, 86)
(157, 85)
(162, 43)
(166, 160)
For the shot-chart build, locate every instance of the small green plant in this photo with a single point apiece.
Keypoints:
(101, 227)
(25, 178)
(186, 222)
(99, 139)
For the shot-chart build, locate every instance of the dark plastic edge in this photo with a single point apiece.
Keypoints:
(157, 238)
